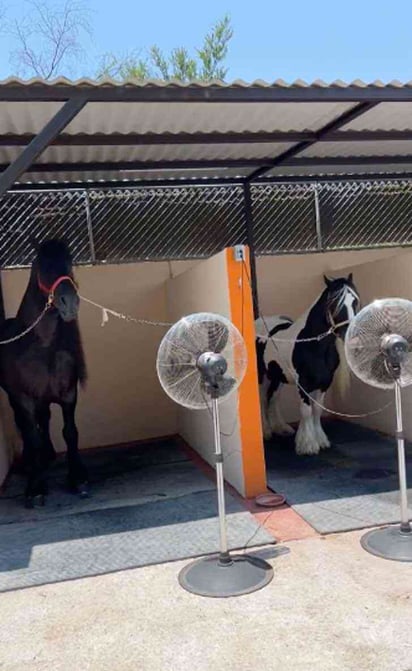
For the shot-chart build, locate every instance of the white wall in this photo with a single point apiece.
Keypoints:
(384, 278)
(204, 288)
(288, 285)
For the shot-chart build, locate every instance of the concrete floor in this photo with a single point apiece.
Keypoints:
(331, 606)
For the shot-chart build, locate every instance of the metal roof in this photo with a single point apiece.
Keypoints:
(86, 131)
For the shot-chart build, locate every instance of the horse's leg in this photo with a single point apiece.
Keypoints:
(43, 419)
(277, 423)
(78, 478)
(319, 397)
(33, 453)
(263, 393)
(306, 441)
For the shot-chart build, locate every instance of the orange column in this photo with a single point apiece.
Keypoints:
(241, 308)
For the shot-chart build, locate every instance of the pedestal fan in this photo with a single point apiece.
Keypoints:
(378, 347)
(201, 360)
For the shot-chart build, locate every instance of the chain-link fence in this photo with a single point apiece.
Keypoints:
(183, 222)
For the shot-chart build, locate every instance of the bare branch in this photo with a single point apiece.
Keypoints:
(50, 38)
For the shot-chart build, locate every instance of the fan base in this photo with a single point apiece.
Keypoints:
(209, 576)
(389, 543)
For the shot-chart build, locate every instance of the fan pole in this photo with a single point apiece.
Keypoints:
(224, 557)
(405, 524)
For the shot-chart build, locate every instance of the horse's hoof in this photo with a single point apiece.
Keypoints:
(37, 501)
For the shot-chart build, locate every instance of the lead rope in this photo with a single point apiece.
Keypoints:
(107, 311)
(293, 375)
(105, 318)
(32, 326)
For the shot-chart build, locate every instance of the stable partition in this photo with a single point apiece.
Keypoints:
(383, 278)
(221, 285)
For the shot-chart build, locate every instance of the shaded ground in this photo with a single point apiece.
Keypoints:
(352, 485)
(149, 504)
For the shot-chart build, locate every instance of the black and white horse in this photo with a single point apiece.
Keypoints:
(310, 365)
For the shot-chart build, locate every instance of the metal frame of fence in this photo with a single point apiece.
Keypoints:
(180, 222)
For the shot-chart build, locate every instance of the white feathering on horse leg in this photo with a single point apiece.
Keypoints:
(276, 421)
(306, 441)
(321, 436)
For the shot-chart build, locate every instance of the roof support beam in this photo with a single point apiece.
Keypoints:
(354, 177)
(212, 93)
(136, 139)
(217, 181)
(133, 166)
(39, 143)
(316, 161)
(336, 124)
(139, 166)
(128, 184)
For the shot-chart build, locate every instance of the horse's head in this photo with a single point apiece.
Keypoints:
(342, 302)
(54, 275)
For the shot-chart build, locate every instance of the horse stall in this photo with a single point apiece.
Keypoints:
(147, 458)
(354, 483)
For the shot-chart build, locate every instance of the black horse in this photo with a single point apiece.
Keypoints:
(46, 366)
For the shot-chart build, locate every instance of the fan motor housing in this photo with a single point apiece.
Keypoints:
(211, 364)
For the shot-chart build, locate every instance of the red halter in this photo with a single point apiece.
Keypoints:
(49, 291)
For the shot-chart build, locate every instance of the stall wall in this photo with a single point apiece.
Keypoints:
(219, 285)
(288, 285)
(123, 400)
(385, 278)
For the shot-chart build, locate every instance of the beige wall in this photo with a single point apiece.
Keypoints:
(287, 285)
(204, 288)
(385, 278)
(123, 400)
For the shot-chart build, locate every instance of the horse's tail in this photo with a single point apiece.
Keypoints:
(342, 375)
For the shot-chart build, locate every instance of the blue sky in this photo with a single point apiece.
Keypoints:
(310, 39)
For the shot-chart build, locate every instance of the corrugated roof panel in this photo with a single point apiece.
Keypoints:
(203, 117)
(207, 152)
(27, 117)
(385, 116)
(386, 148)
(9, 154)
(107, 82)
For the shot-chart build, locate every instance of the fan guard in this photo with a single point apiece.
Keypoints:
(378, 348)
(182, 355)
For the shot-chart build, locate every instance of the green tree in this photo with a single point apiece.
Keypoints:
(205, 64)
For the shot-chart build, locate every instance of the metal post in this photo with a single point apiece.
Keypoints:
(90, 227)
(250, 235)
(317, 218)
(220, 482)
(403, 489)
(2, 310)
